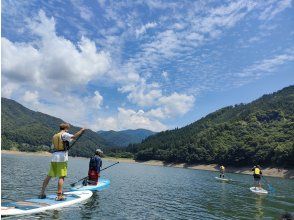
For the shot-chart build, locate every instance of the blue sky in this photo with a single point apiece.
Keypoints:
(144, 64)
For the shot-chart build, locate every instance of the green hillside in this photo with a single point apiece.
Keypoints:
(125, 137)
(27, 130)
(259, 132)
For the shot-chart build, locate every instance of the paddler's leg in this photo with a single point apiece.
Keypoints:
(259, 183)
(60, 184)
(61, 171)
(45, 183)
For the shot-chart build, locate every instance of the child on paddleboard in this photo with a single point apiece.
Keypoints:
(95, 165)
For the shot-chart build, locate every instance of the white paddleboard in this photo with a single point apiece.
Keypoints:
(101, 185)
(222, 179)
(31, 206)
(258, 190)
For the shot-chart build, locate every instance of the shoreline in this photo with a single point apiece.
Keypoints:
(267, 171)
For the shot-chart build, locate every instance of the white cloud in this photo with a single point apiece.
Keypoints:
(31, 97)
(129, 119)
(176, 103)
(164, 74)
(142, 94)
(144, 28)
(172, 106)
(273, 9)
(97, 100)
(52, 59)
(267, 65)
(107, 123)
(85, 12)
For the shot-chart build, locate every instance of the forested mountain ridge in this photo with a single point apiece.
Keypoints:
(125, 137)
(27, 130)
(245, 134)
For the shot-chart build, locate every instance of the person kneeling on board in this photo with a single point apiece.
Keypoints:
(94, 168)
(257, 176)
(222, 171)
(58, 165)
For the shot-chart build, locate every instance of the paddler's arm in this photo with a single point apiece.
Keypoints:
(76, 135)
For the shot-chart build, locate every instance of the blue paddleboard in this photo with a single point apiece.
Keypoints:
(35, 205)
(102, 184)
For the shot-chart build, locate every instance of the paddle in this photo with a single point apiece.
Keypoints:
(271, 189)
(73, 184)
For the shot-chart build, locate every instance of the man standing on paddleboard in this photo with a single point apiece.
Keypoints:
(257, 176)
(222, 171)
(58, 165)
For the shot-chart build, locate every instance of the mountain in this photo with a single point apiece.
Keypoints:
(28, 130)
(261, 132)
(125, 137)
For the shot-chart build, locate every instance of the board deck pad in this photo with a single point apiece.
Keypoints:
(222, 179)
(258, 191)
(102, 184)
(30, 206)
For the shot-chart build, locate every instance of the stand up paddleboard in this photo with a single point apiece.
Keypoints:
(101, 185)
(31, 206)
(222, 179)
(258, 190)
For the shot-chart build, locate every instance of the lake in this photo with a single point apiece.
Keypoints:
(140, 191)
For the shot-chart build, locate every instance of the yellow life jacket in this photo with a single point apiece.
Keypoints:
(222, 168)
(57, 142)
(257, 171)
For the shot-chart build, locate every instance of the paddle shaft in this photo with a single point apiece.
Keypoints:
(100, 171)
(269, 186)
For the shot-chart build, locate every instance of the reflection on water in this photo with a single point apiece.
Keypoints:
(148, 192)
(259, 206)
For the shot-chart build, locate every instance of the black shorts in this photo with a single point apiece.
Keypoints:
(256, 177)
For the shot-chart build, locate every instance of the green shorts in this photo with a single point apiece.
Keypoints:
(58, 169)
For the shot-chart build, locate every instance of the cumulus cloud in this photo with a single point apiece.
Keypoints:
(172, 106)
(52, 58)
(129, 119)
(142, 93)
(31, 98)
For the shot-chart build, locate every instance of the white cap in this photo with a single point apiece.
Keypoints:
(99, 151)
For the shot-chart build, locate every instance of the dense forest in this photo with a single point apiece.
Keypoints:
(125, 137)
(261, 132)
(27, 130)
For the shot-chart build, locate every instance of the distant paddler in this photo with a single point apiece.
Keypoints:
(222, 171)
(257, 176)
(58, 165)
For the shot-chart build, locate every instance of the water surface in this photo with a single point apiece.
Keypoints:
(140, 191)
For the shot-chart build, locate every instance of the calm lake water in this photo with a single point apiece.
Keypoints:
(148, 192)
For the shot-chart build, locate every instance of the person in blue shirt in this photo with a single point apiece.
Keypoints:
(95, 165)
